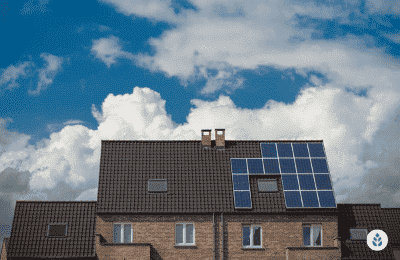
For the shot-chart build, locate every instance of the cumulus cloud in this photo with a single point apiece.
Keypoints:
(10, 75)
(108, 50)
(362, 150)
(48, 73)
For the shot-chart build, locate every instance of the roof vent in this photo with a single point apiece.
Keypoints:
(220, 138)
(206, 138)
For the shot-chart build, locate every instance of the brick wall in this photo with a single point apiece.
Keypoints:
(4, 249)
(282, 237)
(278, 232)
(159, 231)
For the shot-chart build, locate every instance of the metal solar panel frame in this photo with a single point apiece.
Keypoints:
(312, 173)
(233, 187)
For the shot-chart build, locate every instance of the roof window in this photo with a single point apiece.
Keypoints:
(267, 185)
(157, 185)
(57, 230)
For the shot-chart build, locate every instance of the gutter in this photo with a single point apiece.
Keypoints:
(222, 235)
(213, 238)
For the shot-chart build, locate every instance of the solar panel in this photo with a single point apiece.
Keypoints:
(300, 150)
(310, 199)
(319, 166)
(241, 182)
(285, 150)
(293, 199)
(303, 166)
(268, 150)
(326, 199)
(239, 165)
(287, 166)
(242, 199)
(271, 166)
(323, 181)
(289, 182)
(306, 182)
(255, 166)
(316, 150)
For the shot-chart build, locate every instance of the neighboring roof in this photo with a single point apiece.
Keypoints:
(199, 180)
(30, 225)
(392, 218)
(368, 216)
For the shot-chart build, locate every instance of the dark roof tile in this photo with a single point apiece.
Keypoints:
(199, 180)
(30, 225)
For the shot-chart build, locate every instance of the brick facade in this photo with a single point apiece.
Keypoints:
(155, 235)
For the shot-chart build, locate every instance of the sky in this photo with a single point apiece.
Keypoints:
(73, 73)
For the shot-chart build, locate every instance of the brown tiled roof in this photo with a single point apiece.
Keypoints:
(30, 225)
(392, 218)
(199, 180)
(368, 216)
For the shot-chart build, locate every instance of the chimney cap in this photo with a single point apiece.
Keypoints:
(219, 129)
(205, 129)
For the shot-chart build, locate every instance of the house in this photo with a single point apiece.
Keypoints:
(205, 199)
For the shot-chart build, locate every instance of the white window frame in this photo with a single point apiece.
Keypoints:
(122, 232)
(51, 224)
(184, 234)
(252, 226)
(312, 226)
(363, 229)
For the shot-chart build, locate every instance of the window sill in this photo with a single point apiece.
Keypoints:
(186, 246)
(253, 248)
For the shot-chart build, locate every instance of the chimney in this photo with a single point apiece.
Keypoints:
(206, 138)
(220, 138)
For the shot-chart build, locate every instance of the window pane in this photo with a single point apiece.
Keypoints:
(117, 233)
(306, 236)
(157, 185)
(316, 236)
(358, 234)
(257, 236)
(246, 236)
(179, 233)
(127, 233)
(57, 230)
(189, 233)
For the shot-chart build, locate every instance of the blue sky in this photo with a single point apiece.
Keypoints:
(73, 73)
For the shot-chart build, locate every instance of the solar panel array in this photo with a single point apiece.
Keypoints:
(303, 169)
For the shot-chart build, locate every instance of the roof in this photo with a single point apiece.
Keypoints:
(368, 216)
(199, 180)
(30, 225)
(392, 219)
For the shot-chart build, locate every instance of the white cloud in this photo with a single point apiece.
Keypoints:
(88, 195)
(10, 75)
(383, 7)
(357, 158)
(393, 37)
(33, 6)
(73, 122)
(48, 73)
(157, 10)
(108, 50)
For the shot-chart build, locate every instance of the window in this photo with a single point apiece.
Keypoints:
(358, 234)
(184, 234)
(252, 236)
(312, 235)
(267, 185)
(123, 233)
(57, 230)
(157, 185)
(220, 132)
